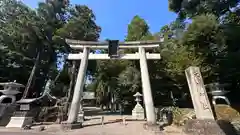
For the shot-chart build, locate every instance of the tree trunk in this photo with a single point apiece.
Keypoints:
(25, 93)
(72, 80)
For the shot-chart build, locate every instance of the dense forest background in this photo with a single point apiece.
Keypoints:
(206, 34)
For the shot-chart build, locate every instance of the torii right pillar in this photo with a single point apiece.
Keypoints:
(146, 86)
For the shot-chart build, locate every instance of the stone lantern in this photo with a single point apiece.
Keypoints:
(138, 111)
(217, 91)
(10, 90)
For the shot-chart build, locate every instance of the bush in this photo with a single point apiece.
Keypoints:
(223, 112)
(181, 115)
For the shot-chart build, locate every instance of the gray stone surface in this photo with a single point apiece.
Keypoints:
(236, 125)
(78, 89)
(20, 122)
(198, 93)
(208, 127)
(146, 86)
(227, 127)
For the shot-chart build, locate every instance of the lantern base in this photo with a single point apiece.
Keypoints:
(138, 112)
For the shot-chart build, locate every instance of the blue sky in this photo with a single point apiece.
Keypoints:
(115, 15)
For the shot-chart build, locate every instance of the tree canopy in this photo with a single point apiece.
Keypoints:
(205, 34)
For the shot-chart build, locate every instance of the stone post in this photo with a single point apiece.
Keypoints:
(78, 90)
(205, 123)
(198, 93)
(147, 92)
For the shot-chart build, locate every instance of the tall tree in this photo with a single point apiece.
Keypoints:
(190, 8)
(137, 29)
(27, 32)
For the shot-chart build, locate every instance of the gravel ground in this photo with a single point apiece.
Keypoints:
(93, 127)
(21, 133)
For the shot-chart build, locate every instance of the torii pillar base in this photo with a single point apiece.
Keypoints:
(70, 126)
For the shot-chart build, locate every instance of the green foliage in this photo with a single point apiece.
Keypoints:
(121, 78)
(206, 37)
(129, 79)
(209, 41)
(204, 32)
(81, 25)
(213, 37)
(137, 29)
(178, 59)
(26, 32)
(190, 8)
(223, 112)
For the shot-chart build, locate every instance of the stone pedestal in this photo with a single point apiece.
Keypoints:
(209, 127)
(22, 117)
(19, 122)
(138, 112)
(80, 117)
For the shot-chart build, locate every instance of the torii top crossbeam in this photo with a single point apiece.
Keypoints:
(77, 44)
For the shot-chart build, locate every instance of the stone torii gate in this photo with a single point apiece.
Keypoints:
(85, 55)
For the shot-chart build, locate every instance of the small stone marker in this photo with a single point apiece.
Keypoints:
(102, 120)
(198, 93)
(124, 121)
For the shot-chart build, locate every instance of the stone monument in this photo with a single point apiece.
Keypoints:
(205, 123)
(138, 111)
(198, 93)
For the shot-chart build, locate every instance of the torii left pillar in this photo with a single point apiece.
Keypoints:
(78, 91)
